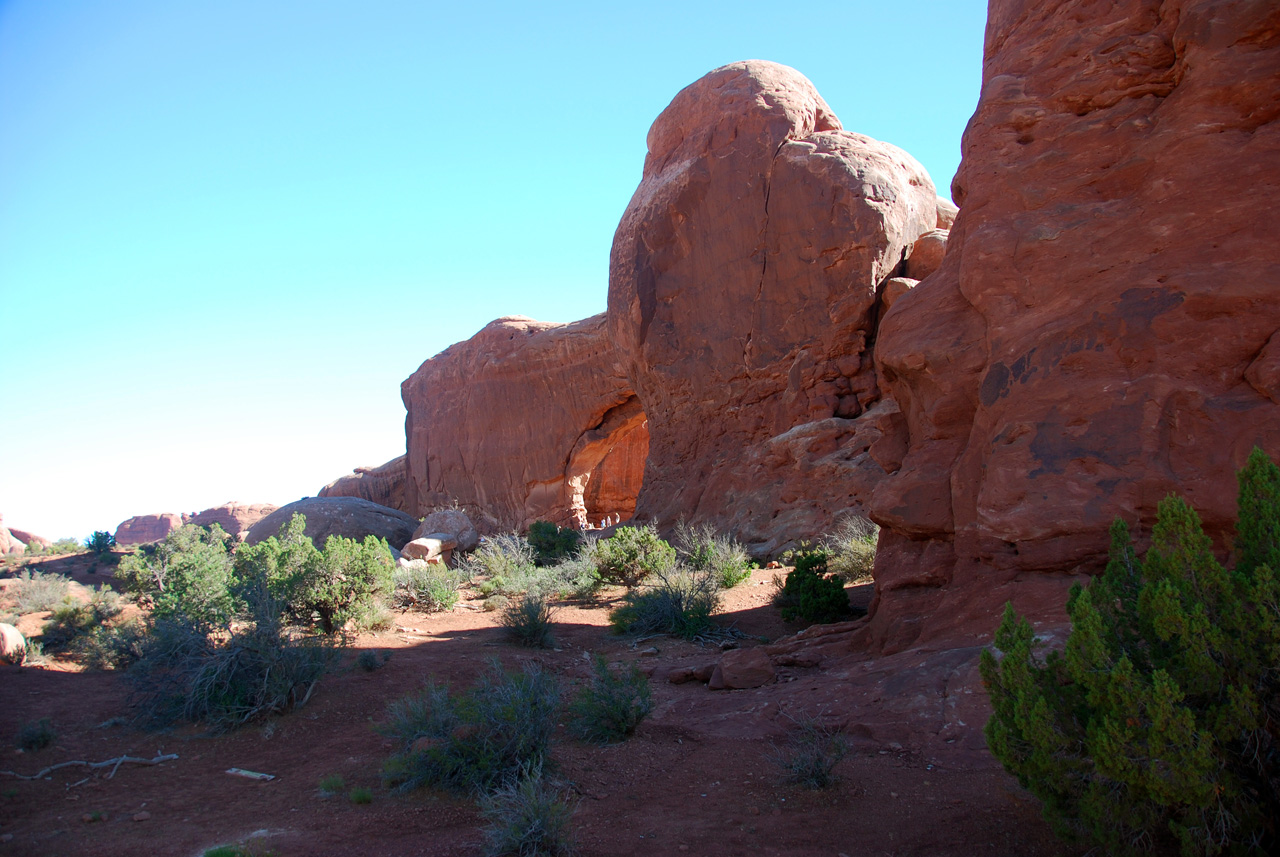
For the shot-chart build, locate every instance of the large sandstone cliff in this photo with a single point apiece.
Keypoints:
(1103, 328)
(745, 289)
(526, 420)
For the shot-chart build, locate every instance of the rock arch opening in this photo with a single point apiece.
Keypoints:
(606, 466)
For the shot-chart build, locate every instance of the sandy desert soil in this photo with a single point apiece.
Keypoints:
(679, 786)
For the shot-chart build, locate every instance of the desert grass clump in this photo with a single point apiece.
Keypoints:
(703, 549)
(425, 586)
(333, 784)
(611, 705)
(504, 556)
(527, 620)
(37, 591)
(472, 742)
(852, 548)
(811, 753)
(71, 621)
(360, 796)
(528, 817)
(36, 735)
(681, 604)
(371, 661)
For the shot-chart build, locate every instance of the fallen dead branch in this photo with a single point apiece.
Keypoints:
(117, 762)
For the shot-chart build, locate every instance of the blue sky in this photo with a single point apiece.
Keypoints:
(228, 231)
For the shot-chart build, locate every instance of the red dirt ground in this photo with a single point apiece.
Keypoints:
(678, 786)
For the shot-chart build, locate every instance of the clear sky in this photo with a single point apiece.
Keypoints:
(229, 230)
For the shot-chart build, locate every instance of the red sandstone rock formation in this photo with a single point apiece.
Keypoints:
(144, 529)
(27, 537)
(1103, 328)
(234, 517)
(526, 420)
(743, 299)
(384, 485)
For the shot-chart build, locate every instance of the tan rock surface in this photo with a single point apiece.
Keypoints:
(517, 422)
(349, 517)
(740, 669)
(27, 538)
(13, 646)
(384, 484)
(743, 294)
(144, 529)
(1101, 331)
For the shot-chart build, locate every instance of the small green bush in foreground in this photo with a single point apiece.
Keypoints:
(610, 706)
(36, 735)
(550, 543)
(1158, 722)
(528, 817)
(474, 741)
(527, 620)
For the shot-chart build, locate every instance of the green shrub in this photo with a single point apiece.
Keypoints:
(1158, 720)
(71, 620)
(577, 576)
(429, 587)
(474, 741)
(333, 784)
(342, 584)
(187, 575)
(550, 543)
(852, 549)
(112, 647)
(36, 735)
(631, 554)
(65, 546)
(100, 542)
(37, 591)
(610, 706)
(227, 679)
(810, 593)
(360, 796)
(528, 817)
(702, 549)
(370, 661)
(680, 604)
(527, 620)
(811, 754)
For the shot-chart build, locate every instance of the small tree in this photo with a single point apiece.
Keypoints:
(186, 575)
(100, 542)
(631, 554)
(1162, 715)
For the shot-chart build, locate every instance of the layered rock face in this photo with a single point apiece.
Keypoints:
(525, 421)
(1103, 329)
(144, 529)
(744, 290)
(384, 485)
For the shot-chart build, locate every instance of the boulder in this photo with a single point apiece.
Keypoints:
(454, 524)
(742, 668)
(524, 421)
(926, 254)
(29, 538)
(437, 546)
(13, 646)
(1102, 330)
(349, 517)
(234, 517)
(144, 529)
(947, 212)
(743, 289)
(894, 288)
(384, 484)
